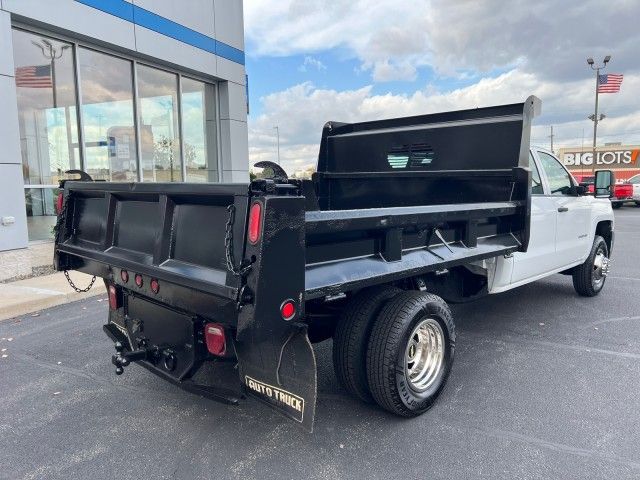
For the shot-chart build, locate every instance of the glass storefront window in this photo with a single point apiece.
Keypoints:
(176, 122)
(107, 111)
(159, 134)
(48, 119)
(199, 131)
(46, 91)
(41, 214)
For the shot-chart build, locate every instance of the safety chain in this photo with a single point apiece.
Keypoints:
(60, 230)
(228, 245)
(73, 285)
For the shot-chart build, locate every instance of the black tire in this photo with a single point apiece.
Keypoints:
(616, 204)
(584, 276)
(351, 338)
(637, 204)
(389, 344)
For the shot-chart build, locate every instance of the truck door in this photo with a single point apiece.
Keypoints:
(539, 258)
(572, 221)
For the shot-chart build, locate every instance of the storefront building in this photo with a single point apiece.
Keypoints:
(142, 90)
(624, 160)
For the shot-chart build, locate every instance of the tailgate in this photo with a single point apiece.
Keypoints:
(172, 232)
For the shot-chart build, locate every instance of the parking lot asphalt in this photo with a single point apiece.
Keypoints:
(545, 385)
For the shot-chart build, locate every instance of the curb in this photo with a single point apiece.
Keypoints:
(32, 295)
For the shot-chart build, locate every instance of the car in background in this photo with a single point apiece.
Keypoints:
(635, 183)
(623, 192)
(585, 180)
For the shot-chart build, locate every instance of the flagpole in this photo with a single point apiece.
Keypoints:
(53, 81)
(595, 117)
(595, 122)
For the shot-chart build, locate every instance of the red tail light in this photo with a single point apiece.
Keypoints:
(59, 202)
(288, 310)
(214, 337)
(255, 223)
(138, 279)
(155, 286)
(114, 299)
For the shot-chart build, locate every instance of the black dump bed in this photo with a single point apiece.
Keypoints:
(400, 197)
(391, 200)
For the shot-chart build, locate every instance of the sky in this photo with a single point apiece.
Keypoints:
(313, 61)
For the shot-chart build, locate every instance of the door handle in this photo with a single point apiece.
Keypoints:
(563, 209)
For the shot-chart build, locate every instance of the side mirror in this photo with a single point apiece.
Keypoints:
(604, 184)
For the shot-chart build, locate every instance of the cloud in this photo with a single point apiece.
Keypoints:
(301, 111)
(538, 47)
(312, 63)
(392, 39)
(381, 34)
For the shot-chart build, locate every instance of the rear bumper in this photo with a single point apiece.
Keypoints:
(213, 379)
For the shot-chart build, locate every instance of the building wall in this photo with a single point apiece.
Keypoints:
(13, 221)
(204, 38)
(624, 160)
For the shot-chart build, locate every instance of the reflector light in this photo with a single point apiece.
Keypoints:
(59, 202)
(288, 310)
(139, 280)
(124, 275)
(214, 338)
(113, 298)
(255, 223)
(155, 286)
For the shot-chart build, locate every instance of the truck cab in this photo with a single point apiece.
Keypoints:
(564, 222)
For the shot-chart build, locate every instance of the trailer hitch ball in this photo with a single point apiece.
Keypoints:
(123, 359)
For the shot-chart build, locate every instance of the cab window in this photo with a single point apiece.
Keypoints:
(635, 180)
(536, 183)
(558, 178)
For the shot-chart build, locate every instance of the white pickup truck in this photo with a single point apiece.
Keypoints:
(635, 181)
(402, 216)
(570, 233)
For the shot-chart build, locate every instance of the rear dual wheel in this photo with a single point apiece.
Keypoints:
(352, 336)
(395, 347)
(410, 353)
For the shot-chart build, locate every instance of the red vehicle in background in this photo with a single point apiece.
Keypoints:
(586, 180)
(623, 192)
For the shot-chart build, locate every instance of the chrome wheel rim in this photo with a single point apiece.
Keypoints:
(424, 354)
(600, 268)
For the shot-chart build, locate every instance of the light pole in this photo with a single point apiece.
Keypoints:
(595, 118)
(52, 54)
(277, 129)
(49, 52)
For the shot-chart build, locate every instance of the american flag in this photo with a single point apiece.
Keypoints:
(609, 83)
(34, 76)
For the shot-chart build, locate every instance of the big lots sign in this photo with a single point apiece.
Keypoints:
(615, 158)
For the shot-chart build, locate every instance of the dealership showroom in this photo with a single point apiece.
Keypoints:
(125, 93)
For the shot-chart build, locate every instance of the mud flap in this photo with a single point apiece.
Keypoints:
(279, 369)
(276, 360)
